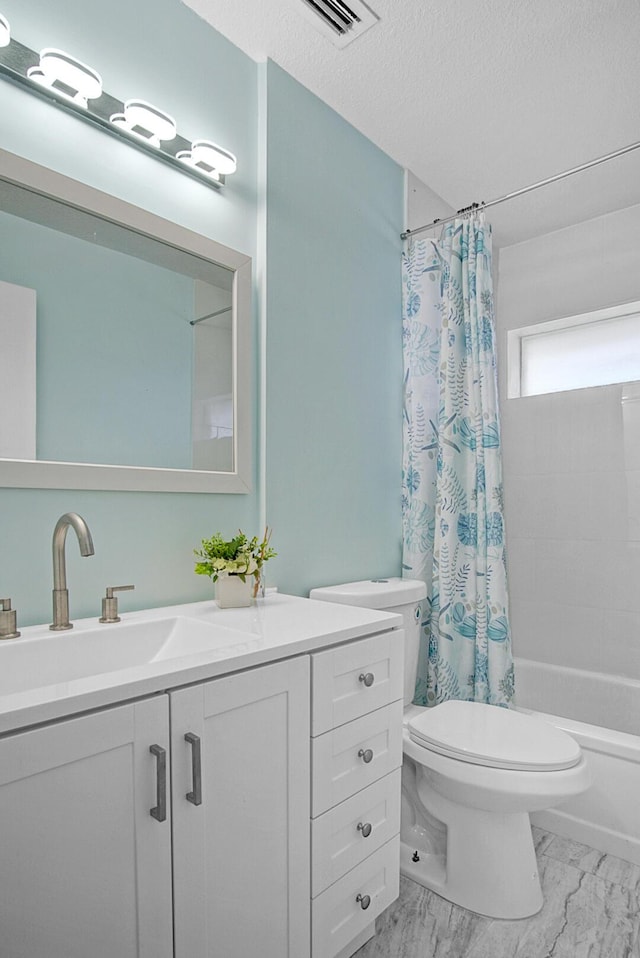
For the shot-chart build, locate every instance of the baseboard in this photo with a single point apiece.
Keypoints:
(587, 833)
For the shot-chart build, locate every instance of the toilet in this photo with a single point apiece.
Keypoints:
(471, 774)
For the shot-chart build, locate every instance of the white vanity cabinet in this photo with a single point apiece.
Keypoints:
(86, 869)
(241, 834)
(218, 808)
(356, 755)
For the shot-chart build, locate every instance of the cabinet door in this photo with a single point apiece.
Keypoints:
(85, 870)
(241, 856)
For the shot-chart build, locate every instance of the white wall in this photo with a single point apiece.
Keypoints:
(572, 460)
(423, 205)
(17, 371)
(212, 379)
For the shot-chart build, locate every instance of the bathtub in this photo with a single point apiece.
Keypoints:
(602, 712)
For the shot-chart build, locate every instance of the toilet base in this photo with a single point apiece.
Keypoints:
(426, 869)
(489, 866)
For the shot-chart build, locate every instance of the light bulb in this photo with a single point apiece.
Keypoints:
(186, 157)
(210, 159)
(5, 32)
(63, 74)
(203, 151)
(145, 121)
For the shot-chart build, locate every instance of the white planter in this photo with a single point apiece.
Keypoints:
(233, 593)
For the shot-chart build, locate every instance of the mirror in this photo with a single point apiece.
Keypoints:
(125, 344)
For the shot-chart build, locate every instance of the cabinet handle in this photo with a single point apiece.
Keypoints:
(365, 829)
(159, 812)
(366, 679)
(195, 797)
(365, 901)
(366, 755)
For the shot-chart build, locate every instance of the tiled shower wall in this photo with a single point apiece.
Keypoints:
(572, 460)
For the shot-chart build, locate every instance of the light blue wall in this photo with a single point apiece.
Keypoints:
(334, 348)
(122, 325)
(155, 50)
(334, 214)
(210, 86)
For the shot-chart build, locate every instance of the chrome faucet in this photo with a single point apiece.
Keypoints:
(60, 591)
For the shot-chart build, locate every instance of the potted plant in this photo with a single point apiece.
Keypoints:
(235, 565)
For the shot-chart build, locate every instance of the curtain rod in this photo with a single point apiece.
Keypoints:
(526, 189)
(218, 312)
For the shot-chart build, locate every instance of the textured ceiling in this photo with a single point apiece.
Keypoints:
(477, 97)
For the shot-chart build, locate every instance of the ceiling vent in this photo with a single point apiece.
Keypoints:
(339, 20)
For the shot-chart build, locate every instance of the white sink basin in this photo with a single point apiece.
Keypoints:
(50, 658)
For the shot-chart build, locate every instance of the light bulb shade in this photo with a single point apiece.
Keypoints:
(64, 74)
(60, 79)
(5, 32)
(147, 121)
(186, 157)
(206, 153)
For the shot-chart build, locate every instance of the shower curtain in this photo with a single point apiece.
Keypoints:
(453, 525)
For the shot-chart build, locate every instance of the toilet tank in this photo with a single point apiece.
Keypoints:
(402, 596)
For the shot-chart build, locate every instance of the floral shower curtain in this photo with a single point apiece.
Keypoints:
(452, 473)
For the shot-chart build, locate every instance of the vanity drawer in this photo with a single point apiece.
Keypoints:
(337, 917)
(341, 676)
(338, 771)
(338, 844)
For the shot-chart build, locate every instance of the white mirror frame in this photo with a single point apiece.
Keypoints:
(39, 474)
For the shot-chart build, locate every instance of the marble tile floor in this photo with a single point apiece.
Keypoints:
(591, 910)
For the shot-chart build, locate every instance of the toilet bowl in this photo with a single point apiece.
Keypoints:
(471, 775)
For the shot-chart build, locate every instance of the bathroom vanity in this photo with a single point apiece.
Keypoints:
(197, 782)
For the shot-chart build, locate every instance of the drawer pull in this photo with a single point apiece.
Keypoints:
(159, 811)
(366, 755)
(366, 679)
(365, 829)
(195, 797)
(365, 901)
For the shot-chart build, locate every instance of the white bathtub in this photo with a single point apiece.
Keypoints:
(602, 712)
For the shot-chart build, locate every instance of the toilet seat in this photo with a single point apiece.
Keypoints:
(494, 737)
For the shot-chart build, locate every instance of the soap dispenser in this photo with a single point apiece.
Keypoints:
(8, 622)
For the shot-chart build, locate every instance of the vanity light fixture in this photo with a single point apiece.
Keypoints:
(143, 120)
(67, 77)
(211, 159)
(5, 32)
(62, 80)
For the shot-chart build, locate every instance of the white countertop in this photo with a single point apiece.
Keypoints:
(276, 627)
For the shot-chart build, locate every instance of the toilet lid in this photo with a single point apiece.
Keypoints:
(492, 736)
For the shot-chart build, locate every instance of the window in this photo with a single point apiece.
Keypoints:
(592, 349)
